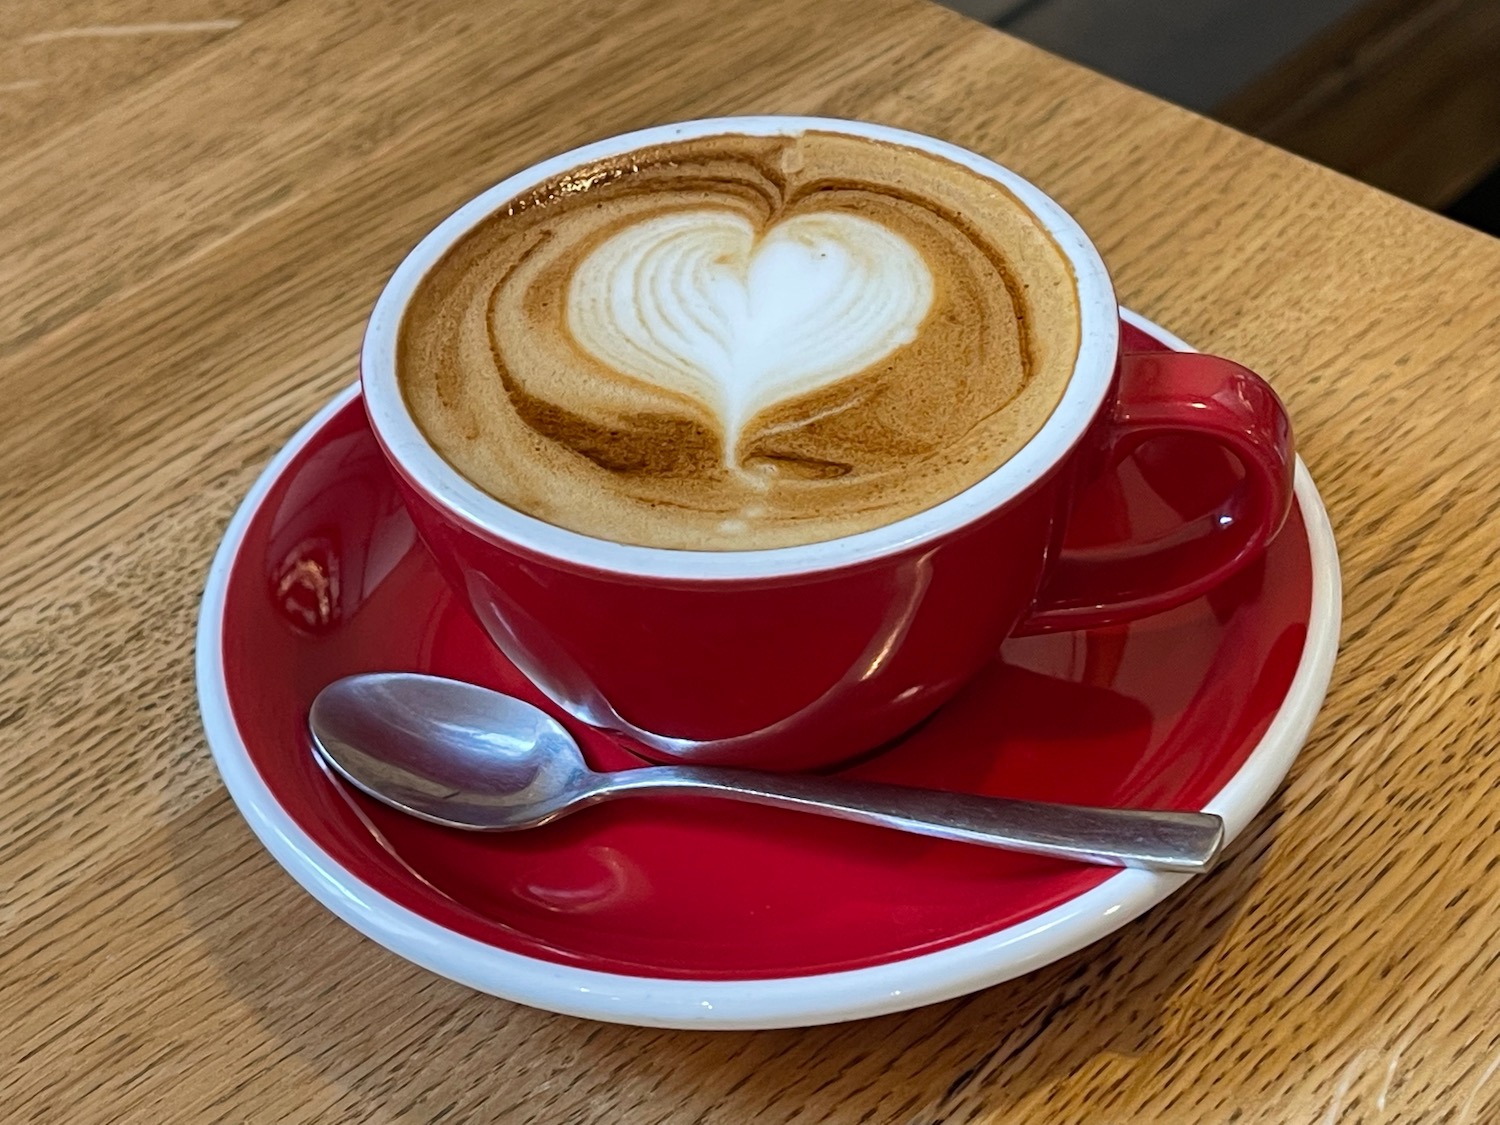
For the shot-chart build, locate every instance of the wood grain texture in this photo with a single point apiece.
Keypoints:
(59, 61)
(189, 250)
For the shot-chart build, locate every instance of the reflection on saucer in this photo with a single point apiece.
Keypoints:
(596, 877)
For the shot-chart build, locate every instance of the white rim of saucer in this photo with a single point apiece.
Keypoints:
(1084, 394)
(752, 1003)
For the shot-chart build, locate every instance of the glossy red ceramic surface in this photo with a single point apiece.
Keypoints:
(781, 673)
(1168, 406)
(331, 580)
(803, 669)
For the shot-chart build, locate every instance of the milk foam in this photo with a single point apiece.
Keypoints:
(739, 342)
(700, 302)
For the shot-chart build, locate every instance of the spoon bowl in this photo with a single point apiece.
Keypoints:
(449, 752)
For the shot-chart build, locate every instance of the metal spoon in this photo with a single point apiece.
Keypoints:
(463, 756)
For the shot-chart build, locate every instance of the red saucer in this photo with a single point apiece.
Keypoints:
(329, 579)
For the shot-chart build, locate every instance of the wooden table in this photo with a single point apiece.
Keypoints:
(200, 204)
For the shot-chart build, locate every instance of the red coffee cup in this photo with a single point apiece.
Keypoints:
(800, 657)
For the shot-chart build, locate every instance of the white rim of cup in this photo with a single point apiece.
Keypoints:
(441, 483)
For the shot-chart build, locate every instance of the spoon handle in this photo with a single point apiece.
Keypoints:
(1157, 840)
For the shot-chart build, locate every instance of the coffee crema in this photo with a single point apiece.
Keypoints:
(738, 342)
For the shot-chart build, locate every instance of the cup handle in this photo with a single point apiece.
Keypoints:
(1175, 394)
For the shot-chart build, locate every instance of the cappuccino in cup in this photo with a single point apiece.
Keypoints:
(737, 342)
(751, 439)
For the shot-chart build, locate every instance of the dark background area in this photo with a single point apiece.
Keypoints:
(1402, 94)
(1480, 205)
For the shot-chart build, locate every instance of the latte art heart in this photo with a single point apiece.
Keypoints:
(699, 303)
(741, 342)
